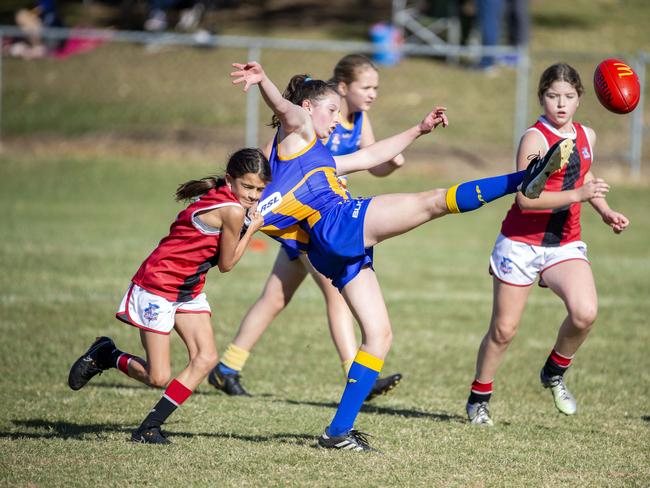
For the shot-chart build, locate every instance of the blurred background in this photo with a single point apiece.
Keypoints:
(149, 78)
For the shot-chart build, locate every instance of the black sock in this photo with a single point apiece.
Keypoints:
(159, 413)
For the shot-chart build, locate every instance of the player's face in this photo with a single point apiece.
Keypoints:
(560, 102)
(247, 188)
(360, 94)
(325, 114)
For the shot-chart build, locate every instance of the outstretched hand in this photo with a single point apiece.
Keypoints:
(250, 74)
(435, 118)
(616, 220)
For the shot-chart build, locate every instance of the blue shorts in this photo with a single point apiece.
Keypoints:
(336, 247)
(292, 253)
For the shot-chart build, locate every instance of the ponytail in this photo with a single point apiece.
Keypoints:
(303, 87)
(195, 188)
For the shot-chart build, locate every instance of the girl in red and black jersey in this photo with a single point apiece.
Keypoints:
(542, 238)
(166, 291)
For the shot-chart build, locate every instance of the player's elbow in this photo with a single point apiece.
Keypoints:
(225, 267)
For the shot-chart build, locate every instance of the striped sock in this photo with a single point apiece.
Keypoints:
(556, 364)
(123, 361)
(471, 195)
(480, 392)
(174, 396)
(233, 360)
(361, 378)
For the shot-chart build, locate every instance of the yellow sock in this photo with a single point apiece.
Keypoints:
(346, 366)
(235, 357)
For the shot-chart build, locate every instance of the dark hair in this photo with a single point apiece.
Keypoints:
(240, 163)
(559, 72)
(348, 67)
(303, 87)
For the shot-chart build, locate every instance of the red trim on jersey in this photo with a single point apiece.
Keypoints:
(177, 392)
(559, 226)
(561, 361)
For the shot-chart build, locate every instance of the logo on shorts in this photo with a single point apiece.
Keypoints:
(151, 312)
(505, 266)
(357, 209)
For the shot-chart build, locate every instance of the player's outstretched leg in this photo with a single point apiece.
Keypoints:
(94, 361)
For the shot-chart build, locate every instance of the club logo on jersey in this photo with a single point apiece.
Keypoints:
(505, 266)
(585, 153)
(151, 312)
(269, 203)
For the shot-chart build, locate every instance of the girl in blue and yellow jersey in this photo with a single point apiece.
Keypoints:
(356, 79)
(305, 208)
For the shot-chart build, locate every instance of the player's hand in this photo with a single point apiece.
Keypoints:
(596, 188)
(435, 118)
(250, 74)
(616, 220)
(256, 219)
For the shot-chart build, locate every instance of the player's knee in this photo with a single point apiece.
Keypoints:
(503, 332)
(275, 302)
(583, 316)
(159, 379)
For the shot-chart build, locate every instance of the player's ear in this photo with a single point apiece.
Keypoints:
(342, 88)
(228, 179)
(307, 105)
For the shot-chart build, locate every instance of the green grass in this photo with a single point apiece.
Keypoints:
(75, 230)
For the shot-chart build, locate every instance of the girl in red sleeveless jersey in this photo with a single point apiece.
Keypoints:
(166, 292)
(542, 238)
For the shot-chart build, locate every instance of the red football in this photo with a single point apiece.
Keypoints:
(617, 86)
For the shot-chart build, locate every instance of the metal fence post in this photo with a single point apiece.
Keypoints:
(636, 121)
(252, 103)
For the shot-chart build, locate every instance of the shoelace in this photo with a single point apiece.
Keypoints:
(482, 411)
(360, 437)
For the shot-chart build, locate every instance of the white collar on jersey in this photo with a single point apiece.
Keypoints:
(563, 135)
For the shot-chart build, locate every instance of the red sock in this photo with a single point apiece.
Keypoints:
(123, 361)
(480, 392)
(177, 392)
(561, 361)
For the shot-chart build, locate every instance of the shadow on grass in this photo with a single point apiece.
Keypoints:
(69, 430)
(402, 412)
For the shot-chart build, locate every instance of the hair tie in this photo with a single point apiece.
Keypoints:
(308, 79)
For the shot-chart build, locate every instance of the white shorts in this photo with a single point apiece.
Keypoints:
(152, 312)
(519, 264)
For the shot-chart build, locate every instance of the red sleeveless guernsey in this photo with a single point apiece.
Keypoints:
(561, 225)
(176, 269)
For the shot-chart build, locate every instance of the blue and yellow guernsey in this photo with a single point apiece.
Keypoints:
(303, 187)
(346, 137)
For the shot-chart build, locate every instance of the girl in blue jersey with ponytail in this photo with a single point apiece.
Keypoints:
(306, 209)
(356, 79)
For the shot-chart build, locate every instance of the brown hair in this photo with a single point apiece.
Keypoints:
(303, 87)
(244, 161)
(348, 67)
(559, 72)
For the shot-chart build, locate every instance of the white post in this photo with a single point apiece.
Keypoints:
(521, 95)
(636, 123)
(252, 103)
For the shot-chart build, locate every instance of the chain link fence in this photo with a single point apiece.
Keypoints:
(161, 88)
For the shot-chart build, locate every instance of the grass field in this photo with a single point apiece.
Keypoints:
(75, 230)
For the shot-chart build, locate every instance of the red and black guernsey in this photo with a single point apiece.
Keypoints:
(176, 269)
(559, 226)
